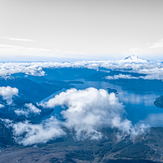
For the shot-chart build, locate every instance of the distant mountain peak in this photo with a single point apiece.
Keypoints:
(135, 59)
(132, 57)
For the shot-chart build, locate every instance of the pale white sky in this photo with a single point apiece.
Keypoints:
(80, 29)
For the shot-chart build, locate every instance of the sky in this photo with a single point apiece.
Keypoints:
(68, 30)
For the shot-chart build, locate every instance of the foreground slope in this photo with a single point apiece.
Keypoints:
(145, 148)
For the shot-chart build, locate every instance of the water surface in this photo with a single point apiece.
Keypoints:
(138, 106)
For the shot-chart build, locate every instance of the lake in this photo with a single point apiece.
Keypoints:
(138, 106)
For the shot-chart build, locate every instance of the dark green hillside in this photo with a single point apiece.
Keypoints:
(28, 90)
(6, 137)
(146, 148)
(159, 102)
(67, 73)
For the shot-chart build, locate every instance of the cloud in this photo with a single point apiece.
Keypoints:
(21, 112)
(36, 133)
(31, 109)
(84, 112)
(153, 72)
(90, 109)
(121, 76)
(153, 69)
(17, 39)
(1, 106)
(7, 93)
(87, 109)
(33, 68)
(158, 76)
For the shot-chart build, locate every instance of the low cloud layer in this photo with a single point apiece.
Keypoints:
(121, 76)
(151, 76)
(153, 69)
(84, 112)
(36, 133)
(29, 109)
(7, 93)
(1, 106)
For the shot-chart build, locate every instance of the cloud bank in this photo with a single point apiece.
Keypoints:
(84, 112)
(7, 93)
(121, 76)
(150, 76)
(87, 110)
(153, 69)
(90, 109)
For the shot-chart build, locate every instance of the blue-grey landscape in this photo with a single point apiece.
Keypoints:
(94, 111)
(81, 81)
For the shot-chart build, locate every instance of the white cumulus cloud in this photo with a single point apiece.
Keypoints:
(7, 93)
(84, 112)
(21, 112)
(37, 133)
(90, 109)
(30, 108)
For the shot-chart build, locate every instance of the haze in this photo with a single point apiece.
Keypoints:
(80, 30)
